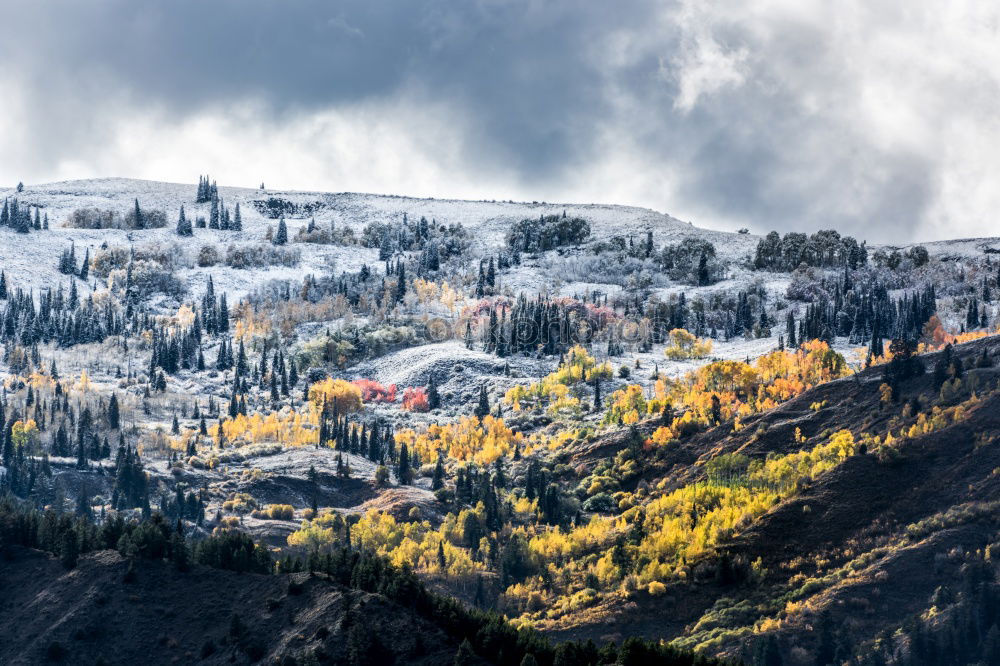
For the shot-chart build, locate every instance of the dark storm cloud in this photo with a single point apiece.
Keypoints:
(776, 115)
(519, 68)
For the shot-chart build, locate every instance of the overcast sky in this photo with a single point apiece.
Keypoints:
(880, 119)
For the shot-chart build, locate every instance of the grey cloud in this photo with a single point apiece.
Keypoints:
(755, 116)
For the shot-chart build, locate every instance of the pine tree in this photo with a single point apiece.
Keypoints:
(400, 291)
(483, 408)
(281, 237)
(403, 472)
(437, 481)
(184, 225)
(85, 269)
(139, 222)
(69, 548)
(23, 223)
(114, 415)
(433, 397)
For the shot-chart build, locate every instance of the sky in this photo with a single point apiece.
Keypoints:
(877, 118)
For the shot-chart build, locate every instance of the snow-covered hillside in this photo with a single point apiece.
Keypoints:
(32, 260)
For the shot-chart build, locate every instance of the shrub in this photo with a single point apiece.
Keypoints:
(415, 400)
(372, 391)
(261, 255)
(276, 512)
(147, 219)
(601, 502)
(208, 256)
(95, 218)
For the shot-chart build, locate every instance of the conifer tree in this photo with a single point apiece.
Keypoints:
(483, 408)
(403, 472)
(433, 397)
(281, 237)
(114, 415)
(184, 225)
(85, 269)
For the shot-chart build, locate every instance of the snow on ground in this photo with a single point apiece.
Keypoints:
(32, 260)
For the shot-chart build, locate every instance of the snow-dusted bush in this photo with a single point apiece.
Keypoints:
(116, 258)
(807, 285)
(261, 255)
(145, 219)
(342, 235)
(208, 255)
(95, 218)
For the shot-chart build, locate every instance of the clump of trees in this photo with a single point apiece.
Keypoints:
(826, 248)
(136, 219)
(260, 255)
(547, 233)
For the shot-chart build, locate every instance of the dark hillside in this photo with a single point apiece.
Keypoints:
(866, 547)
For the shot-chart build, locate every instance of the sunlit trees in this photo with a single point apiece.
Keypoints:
(556, 390)
(685, 345)
(340, 395)
(469, 439)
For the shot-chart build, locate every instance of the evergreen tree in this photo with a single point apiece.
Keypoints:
(403, 472)
(433, 397)
(184, 225)
(437, 481)
(139, 222)
(114, 416)
(85, 269)
(281, 237)
(69, 549)
(483, 408)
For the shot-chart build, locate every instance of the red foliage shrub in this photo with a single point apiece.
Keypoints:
(415, 399)
(372, 391)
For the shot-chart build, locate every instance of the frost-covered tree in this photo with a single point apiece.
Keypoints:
(281, 237)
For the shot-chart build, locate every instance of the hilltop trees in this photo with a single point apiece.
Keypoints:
(546, 233)
(206, 190)
(823, 249)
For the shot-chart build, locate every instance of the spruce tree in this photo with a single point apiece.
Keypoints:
(437, 482)
(69, 548)
(483, 408)
(281, 237)
(139, 223)
(403, 472)
(85, 269)
(184, 225)
(114, 415)
(433, 397)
